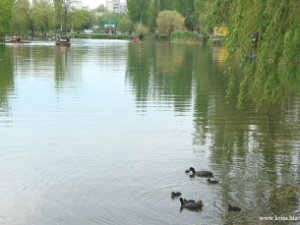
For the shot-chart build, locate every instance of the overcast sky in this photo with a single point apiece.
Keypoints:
(94, 3)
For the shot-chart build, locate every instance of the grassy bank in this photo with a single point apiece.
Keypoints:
(104, 36)
(185, 36)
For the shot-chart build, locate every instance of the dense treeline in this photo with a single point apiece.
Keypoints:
(146, 11)
(39, 17)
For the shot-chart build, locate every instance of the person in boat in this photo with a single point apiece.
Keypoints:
(254, 39)
(17, 38)
(136, 39)
(254, 42)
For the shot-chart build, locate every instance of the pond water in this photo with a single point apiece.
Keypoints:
(102, 132)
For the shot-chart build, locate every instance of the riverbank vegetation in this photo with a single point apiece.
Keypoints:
(185, 36)
(102, 36)
(43, 18)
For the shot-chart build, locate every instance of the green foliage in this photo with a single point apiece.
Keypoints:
(6, 7)
(43, 16)
(82, 19)
(38, 16)
(274, 63)
(139, 11)
(193, 11)
(187, 9)
(103, 36)
(201, 14)
(125, 25)
(64, 10)
(161, 5)
(168, 21)
(21, 17)
(184, 36)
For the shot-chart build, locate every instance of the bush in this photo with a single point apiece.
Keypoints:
(125, 25)
(168, 21)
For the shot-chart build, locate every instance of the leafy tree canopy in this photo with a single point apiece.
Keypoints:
(6, 7)
(139, 11)
(271, 62)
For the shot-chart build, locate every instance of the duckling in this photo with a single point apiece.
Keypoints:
(233, 208)
(209, 181)
(188, 200)
(190, 205)
(175, 194)
(202, 173)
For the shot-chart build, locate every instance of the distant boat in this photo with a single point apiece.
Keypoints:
(17, 40)
(63, 42)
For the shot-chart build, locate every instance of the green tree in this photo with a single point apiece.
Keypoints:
(6, 7)
(161, 5)
(125, 25)
(43, 16)
(187, 9)
(82, 19)
(201, 13)
(272, 63)
(139, 11)
(21, 22)
(168, 21)
(158, 6)
(64, 10)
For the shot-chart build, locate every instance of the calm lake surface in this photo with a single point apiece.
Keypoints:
(102, 132)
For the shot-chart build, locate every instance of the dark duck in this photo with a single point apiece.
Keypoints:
(233, 208)
(201, 173)
(209, 181)
(191, 205)
(188, 200)
(175, 194)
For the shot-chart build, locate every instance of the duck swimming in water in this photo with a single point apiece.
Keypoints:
(175, 194)
(209, 181)
(194, 206)
(234, 208)
(201, 173)
(188, 200)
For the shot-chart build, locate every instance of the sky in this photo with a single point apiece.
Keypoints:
(94, 3)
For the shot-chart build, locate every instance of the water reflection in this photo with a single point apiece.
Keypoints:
(66, 70)
(255, 153)
(79, 135)
(161, 72)
(6, 80)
